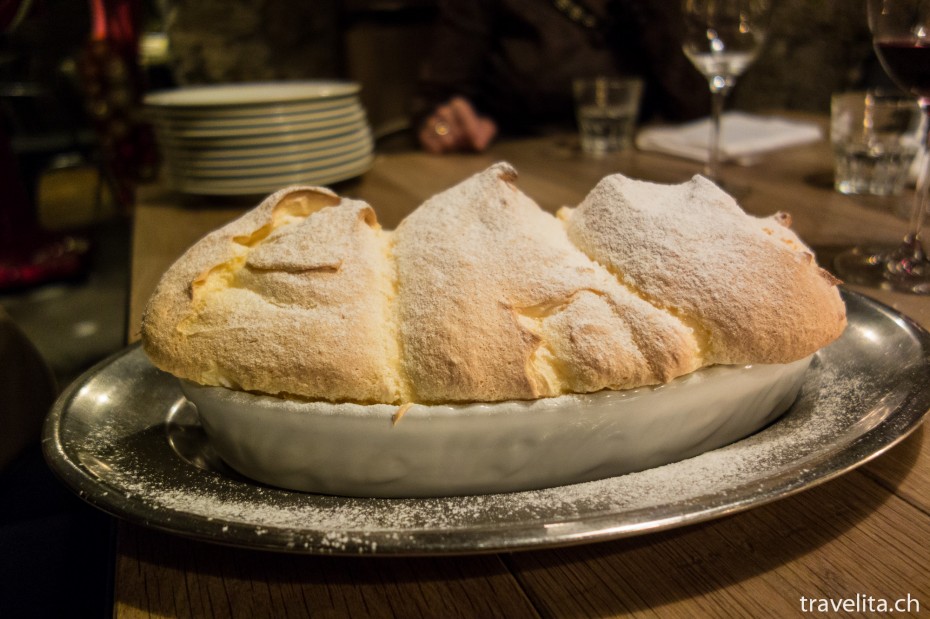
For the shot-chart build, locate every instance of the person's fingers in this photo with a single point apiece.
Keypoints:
(428, 138)
(456, 126)
(466, 119)
(476, 131)
(448, 128)
(486, 131)
(441, 132)
(434, 136)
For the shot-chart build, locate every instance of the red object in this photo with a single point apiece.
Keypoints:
(28, 255)
(113, 87)
(46, 258)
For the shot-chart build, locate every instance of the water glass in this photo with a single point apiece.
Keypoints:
(875, 138)
(606, 109)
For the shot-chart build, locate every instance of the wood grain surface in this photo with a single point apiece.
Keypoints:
(863, 534)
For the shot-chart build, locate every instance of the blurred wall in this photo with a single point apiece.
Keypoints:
(215, 41)
(383, 43)
(375, 42)
(815, 48)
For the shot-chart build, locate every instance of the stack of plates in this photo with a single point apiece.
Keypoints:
(241, 139)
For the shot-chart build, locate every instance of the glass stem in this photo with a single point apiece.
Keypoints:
(912, 243)
(719, 88)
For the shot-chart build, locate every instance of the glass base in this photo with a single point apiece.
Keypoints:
(864, 266)
(889, 267)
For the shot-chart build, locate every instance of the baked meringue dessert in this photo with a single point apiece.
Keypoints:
(486, 345)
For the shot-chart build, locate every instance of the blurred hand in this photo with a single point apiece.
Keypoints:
(456, 126)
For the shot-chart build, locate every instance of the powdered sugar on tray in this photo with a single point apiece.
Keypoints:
(174, 484)
(127, 441)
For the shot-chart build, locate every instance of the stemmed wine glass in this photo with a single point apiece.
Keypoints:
(722, 38)
(901, 36)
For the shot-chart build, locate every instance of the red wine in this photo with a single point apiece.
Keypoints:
(908, 64)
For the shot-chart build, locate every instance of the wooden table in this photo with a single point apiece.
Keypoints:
(863, 534)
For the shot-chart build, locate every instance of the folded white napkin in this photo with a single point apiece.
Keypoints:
(742, 136)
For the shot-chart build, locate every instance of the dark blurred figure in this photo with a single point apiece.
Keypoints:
(507, 66)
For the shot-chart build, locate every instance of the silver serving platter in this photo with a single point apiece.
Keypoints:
(125, 439)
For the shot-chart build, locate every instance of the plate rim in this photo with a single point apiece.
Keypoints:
(271, 92)
(247, 112)
(280, 125)
(222, 154)
(351, 154)
(266, 161)
(860, 449)
(327, 176)
(320, 132)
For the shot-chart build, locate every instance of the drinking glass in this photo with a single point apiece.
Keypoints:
(722, 38)
(901, 36)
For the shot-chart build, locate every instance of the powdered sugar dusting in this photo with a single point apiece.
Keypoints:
(144, 469)
(127, 442)
(748, 285)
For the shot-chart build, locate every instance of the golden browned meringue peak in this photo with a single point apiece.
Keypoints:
(748, 286)
(292, 298)
(480, 295)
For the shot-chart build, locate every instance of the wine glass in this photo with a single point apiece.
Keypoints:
(901, 36)
(721, 39)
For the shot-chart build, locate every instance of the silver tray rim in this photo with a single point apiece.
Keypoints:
(487, 537)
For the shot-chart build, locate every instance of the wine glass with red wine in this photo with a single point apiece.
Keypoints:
(901, 36)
